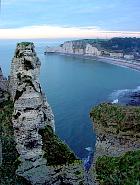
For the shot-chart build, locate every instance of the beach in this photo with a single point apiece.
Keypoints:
(121, 62)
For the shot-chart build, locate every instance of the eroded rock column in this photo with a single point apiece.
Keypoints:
(31, 113)
(44, 158)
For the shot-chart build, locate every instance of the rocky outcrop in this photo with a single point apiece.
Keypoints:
(117, 132)
(3, 97)
(44, 158)
(31, 112)
(3, 87)
(117, 128)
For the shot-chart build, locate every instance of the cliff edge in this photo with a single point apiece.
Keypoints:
(117, 154)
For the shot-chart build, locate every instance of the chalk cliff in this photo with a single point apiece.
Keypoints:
(119, 48)
(76, 48)
(43, 157)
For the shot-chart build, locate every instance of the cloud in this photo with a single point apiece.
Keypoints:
(55, 32)
(110, 15)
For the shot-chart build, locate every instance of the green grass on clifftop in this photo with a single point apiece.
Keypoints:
(117, 119)
(25, 43)
(123, 170)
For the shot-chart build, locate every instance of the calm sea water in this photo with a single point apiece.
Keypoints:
(73, 86)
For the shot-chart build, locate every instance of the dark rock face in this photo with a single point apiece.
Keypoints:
(131, 98)
(3, 87)
(134, 99)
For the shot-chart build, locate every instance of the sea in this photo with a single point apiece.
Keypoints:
(73, 86)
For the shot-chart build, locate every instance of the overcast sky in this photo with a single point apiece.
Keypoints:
(69, 18)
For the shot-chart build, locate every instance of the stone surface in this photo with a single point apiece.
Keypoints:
(3, 87)
(117, 129)
(31, 119)
(31, 112)
(4, 95)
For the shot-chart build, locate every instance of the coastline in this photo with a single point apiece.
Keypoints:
(120, 62)
(114, 61)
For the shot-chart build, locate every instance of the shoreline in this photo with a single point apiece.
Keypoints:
(114, 61)
(120, 62)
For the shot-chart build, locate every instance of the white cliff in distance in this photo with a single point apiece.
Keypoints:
(75, 47)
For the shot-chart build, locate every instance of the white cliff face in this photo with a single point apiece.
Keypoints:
(92, 51)
(76, 48)
(67, 47)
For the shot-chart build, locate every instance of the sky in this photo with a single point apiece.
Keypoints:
(69, 18)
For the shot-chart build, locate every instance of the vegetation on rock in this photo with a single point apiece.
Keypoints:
(24, 43)
(117, 119)
(120, 122)
(123, 170)
(10, 155)
(125, 45)
(56, 152)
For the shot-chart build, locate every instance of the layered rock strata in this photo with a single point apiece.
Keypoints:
(44, 158)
